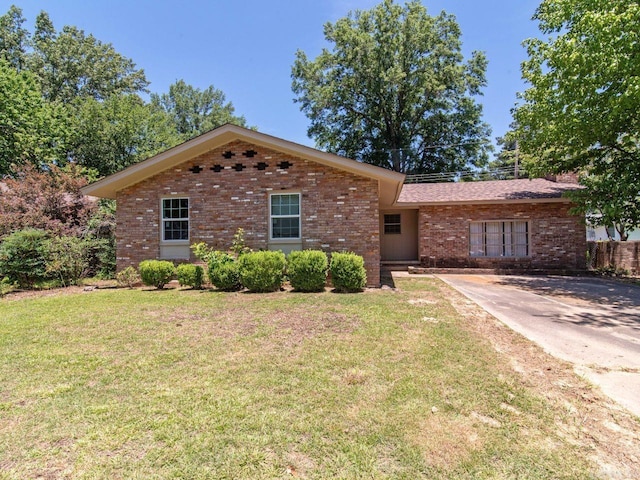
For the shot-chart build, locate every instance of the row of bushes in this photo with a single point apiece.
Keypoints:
(29, 257)
(263, 271)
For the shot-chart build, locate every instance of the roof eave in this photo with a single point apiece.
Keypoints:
(485, 202)
(109, 186)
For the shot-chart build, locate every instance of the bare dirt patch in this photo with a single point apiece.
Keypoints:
(588, 418)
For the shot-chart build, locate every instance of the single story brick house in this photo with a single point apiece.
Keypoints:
(288, 196)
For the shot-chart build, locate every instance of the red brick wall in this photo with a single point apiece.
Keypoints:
(339, 210)
(557, 239)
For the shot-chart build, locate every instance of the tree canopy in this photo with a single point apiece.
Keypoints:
(194, 111)
(395, 91)
(582, 109)
(67, 97)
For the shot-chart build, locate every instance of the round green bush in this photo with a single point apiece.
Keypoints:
(262, 271)
(225, 277)
(307, 270)
(347, 272)
(223, 271)
(190, 275)
(23, 257)
(156, 273)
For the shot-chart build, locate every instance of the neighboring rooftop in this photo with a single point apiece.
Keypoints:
(491, 191)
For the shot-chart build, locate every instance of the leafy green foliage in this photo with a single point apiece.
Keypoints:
(67, 96)
(395, 91)
(194, 111)
(66, 259)
(225, 276)
(156, 273)
(190, 275)
(13, 38)
(238, 244)
(347, 272)
(117, 132)
(223, 271)
(31, 128)
(71, 64)
(128, 277)
(23, 257)
(202, 251)
(307, 270)
(580, 111)
(262, 271)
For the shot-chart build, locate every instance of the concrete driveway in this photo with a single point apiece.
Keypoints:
(593, 323)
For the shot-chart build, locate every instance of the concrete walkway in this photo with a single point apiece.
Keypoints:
(591, 322)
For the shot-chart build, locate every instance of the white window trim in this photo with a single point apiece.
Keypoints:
(299, 217)
(188, 219)
(484, 242)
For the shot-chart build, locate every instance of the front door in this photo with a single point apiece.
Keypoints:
(399, 235)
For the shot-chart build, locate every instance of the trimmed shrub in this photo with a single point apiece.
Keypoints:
(223, 271)
(128, 277)
(67, 259)
(347, 272)
(23, 257)
(307, 270)
(190, 275)
(262, 271)
(226, 277)
(156, 273)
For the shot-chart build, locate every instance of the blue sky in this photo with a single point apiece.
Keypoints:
(246, 47)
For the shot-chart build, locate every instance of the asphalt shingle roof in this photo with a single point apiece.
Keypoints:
(487, 191)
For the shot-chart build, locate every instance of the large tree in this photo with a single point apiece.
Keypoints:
(31, 131)
(109, 135)
(582, 109)
(194, 111)
(71, 64)
(14, 38)
(395, 91)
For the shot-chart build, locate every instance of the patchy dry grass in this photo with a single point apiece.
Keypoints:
(201, 384)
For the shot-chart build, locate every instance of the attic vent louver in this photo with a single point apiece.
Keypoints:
(228, 154)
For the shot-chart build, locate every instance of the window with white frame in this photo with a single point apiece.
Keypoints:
(175, 219)
(285, 215)
(499, 239)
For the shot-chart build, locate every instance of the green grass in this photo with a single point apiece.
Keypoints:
(193, 384)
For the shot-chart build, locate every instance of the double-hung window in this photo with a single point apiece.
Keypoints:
(285, 216)
(175, 219)
(499, 239)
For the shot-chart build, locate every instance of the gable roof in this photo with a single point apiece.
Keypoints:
(491, 191)
(389, 182)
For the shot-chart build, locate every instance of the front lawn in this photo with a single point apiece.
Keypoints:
(202, 384)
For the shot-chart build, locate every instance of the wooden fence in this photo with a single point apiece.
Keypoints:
(618, 255)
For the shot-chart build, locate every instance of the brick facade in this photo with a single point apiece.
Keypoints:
(557, 240)
(339, 210)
